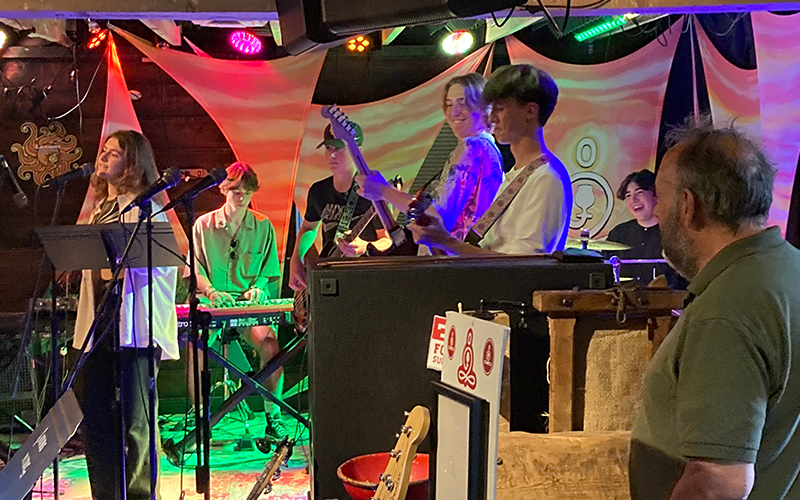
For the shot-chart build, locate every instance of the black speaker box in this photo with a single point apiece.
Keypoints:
(307, 23)
(368, 340)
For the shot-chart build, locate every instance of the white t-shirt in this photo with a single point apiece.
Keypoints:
(537, 219)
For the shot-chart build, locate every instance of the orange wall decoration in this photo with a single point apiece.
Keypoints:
(605, 124)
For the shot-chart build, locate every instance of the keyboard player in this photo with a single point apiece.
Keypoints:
(237, 259)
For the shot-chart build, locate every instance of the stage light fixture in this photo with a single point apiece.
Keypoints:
(457, 42)
(359, 44)
(3, 39)
(246, 42)
(605, 27)
(97, 39)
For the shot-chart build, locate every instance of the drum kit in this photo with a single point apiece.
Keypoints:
(586, 243)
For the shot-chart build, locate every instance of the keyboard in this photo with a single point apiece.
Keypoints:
(243, 314)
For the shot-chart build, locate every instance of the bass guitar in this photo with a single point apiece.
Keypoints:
(332, 251)
(402, 242)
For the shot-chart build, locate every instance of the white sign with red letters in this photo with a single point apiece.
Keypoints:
(436, 346)
(472, 362)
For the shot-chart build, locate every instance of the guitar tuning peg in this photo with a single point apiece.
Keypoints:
(406, 413)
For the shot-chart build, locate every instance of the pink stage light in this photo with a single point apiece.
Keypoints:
(245, 42)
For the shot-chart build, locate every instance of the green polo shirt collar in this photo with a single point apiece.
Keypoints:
(764, 240)
(221, 222)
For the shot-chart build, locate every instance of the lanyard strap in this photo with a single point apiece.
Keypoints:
(499, 205)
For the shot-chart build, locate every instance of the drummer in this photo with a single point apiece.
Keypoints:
(641, 234)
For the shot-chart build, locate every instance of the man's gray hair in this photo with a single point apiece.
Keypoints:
(727, 172)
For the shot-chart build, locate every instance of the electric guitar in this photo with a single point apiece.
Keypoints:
(402, 242)
(394, 481)
(272, 469)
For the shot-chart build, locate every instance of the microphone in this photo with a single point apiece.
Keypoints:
(20, 198)
(84, 170)
(214, 178)
(169, 179)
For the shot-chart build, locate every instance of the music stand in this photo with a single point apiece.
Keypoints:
(86, 246)
(97, 247)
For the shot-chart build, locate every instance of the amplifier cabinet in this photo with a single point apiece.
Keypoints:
(369, 329)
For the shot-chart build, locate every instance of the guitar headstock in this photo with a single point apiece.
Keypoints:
(394, 481)
(272, 471)
(341, 126)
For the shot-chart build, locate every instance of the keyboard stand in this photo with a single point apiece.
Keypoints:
(174, 451)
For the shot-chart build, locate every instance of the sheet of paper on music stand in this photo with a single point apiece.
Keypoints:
(452, 465)
(81, 246)
(473, 362)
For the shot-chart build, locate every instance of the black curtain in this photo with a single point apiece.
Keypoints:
(792, 229)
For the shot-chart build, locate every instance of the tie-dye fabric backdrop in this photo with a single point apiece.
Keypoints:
(605, 124)
(732, 91)
(398, 131)
(778, 59)
(261, 109)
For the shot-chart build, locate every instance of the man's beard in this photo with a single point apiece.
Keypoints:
(676, 247)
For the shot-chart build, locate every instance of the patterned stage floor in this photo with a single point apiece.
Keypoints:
(233, 473)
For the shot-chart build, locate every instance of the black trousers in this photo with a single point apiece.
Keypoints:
(101, 423)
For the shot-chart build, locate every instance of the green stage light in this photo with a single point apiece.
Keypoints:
(605, 27)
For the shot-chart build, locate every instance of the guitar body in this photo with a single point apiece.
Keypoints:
(407, 248)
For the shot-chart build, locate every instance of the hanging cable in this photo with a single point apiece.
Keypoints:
(77, 106)
(499, 25)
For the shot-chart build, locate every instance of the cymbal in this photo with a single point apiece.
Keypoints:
(596, 244)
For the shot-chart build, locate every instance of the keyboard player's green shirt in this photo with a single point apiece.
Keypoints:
(235, 263)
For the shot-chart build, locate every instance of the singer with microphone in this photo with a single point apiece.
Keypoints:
(125, 179)
(237, 260)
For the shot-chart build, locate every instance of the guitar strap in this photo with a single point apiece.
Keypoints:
(347, 214)
(499, 205)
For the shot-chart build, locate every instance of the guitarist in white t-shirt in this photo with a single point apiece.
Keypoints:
(533, 218)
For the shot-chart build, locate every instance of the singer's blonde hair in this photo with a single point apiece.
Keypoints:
(140, 165)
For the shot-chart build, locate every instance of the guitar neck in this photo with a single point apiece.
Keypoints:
(381, 207)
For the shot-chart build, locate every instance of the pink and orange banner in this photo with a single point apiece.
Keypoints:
(398, 131)
(732, 91)
(261, 109)
(605, 124)
(778, 60)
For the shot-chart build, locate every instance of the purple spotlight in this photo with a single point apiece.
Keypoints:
(245, 42)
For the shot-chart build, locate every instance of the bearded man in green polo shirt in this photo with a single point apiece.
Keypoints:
(721, 401)
(237, 260)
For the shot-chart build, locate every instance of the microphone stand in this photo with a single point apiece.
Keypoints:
(100, 312)
(54, 329)
(198, 334)
(146, 211)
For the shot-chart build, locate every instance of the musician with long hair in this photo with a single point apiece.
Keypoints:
(124, 168)
(473, 173)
